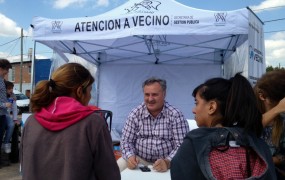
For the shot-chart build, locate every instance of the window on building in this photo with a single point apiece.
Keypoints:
(11, 75)
(30, 69)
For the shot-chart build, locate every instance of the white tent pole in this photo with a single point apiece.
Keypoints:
(33, 70)
(97, 79)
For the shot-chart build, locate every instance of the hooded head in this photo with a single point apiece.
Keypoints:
(70, 80)
(62, 100)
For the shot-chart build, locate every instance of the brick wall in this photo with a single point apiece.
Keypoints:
(26, 75)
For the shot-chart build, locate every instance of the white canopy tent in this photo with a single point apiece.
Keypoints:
(166, 39)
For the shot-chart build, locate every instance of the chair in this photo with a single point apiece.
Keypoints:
(107, 116)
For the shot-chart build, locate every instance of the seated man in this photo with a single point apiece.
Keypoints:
(153, 131)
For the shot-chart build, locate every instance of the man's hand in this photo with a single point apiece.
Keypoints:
(133, 162)
(161, 165)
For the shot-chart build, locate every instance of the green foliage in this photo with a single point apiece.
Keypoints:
(270, 68)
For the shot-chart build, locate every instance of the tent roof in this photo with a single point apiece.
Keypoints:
(145, 31)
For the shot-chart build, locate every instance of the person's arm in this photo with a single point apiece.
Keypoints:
(272, 113)
(3, 95)
(180, 128)
(129, 137)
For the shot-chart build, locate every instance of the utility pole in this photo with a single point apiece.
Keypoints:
(21, 64)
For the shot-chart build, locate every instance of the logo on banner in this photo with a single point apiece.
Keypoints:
(146, 6)
(255, 54)
(221, 18)
(56, 26)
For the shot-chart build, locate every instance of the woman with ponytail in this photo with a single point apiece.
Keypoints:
(227, 144)
(64, 139)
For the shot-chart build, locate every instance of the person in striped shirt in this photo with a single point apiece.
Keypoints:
(4, 69)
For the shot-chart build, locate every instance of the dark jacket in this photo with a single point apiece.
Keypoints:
(82, 151)
(192, 159)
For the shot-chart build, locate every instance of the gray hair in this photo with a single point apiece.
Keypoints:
(152, 80)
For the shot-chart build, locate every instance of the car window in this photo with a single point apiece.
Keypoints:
(21, 96)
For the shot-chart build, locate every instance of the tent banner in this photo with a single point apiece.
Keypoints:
(256, 49)
(143, 17)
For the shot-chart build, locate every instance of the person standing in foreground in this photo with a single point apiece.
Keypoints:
(4, 69)
(10, 122)
(270, 92)
(227, 144)
(64, 139)
(153, 131)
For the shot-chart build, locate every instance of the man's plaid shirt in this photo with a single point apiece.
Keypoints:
(153, 138)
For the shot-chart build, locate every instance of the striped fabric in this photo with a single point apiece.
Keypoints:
(3, 97)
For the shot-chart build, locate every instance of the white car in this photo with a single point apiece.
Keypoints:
(23, 102)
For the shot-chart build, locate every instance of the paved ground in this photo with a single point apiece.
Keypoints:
(10, 172)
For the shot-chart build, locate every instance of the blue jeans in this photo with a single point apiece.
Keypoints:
(9, 129)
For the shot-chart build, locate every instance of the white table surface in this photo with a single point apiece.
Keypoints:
(137, 174)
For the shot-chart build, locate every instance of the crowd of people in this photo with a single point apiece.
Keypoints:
(241, 132)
